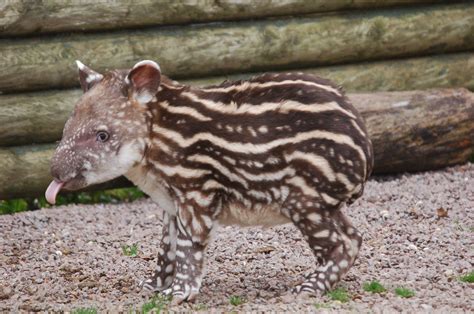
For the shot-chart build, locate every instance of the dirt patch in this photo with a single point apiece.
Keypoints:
(418, 233)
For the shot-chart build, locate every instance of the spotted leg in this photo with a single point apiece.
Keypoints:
(194, 227)
(164, 273)
(335, 243)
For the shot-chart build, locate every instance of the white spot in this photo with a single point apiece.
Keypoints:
(321, 234)
(198, 255)
(344, 263)
(263, 129)
(316, 218)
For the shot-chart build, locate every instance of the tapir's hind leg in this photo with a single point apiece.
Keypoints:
(333, 240)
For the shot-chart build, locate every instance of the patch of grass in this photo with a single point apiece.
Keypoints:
(319, 306)
(156, 304)
(130, 250)
(84, 310)
(339, 294)
(108, 196)
(200, 307)
(374, 287)
(13, 206)
(236, 300)
(404, 292)
(468, 278)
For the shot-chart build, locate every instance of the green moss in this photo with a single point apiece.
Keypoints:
(377, 30)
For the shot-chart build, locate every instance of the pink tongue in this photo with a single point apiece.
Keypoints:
(53, 190)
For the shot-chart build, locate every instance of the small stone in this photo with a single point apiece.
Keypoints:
(449, 273)
(425, 306)
(5, 293)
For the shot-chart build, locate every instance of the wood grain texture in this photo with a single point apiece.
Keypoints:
(410, 131)
(418, 130)
(226, 48)
(39, 117)
(20, 17)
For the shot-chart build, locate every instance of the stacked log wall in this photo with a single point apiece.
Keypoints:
(374, 47)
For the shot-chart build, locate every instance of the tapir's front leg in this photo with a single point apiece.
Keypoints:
(194, 228)
(165, 269)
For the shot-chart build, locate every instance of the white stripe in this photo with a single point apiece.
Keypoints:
(317, 161)
(323, 165)
(249, 148)
(354, 124)
(212, 184)
(266, 176)
(201, 199)
(299, 182)
(184, 242)
(184, 110)
(258, 194)
(180, 171)
(330, 200)
(207, 221)
(218, 166)
(249, 85)
(161, 145)
(284, 107)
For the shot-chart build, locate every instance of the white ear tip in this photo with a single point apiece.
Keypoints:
(147, 62)
(80, 65)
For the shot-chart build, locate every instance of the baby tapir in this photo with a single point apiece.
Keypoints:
(274, 149)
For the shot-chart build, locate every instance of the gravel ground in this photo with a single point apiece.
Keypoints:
(71, 257)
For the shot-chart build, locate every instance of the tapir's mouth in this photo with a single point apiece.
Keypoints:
(55, 186)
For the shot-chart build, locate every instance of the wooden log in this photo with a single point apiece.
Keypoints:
(418, 130)
(410, 131)
(216, 49)
(39, 117)
(18, 17)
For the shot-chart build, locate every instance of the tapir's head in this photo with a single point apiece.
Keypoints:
(107, 131)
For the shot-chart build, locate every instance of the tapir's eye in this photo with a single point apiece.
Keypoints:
(102, 136)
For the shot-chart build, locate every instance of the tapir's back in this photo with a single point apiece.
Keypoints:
(259, 137)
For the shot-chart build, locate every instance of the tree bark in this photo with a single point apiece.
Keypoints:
(410, 131)
(226, 48)
(19, 17)
(39, 117)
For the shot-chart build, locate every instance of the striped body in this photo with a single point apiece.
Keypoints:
(275, 149)
(248, 147)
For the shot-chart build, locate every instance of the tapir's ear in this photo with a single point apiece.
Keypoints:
(87, 76)
(143, 81)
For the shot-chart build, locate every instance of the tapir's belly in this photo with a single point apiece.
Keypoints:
(260, 215)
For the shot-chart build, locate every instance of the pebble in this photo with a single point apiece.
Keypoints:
(449, 272)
